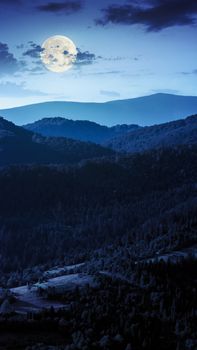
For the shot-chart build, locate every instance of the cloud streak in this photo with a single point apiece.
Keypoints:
(193, 72)
(18, 90)
(154, 15)
(65, 7)
(109, 93)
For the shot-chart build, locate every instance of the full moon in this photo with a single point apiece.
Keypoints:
(58, 53)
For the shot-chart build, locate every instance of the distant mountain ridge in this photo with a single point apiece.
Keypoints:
(147, 110)
(20, 146)
(122, 138)
(78, 130)
(172, 134)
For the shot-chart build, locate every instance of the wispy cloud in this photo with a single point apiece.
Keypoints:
(194, 71)
(109, 93)
(165, 91)
(18, 90)
(107, 72)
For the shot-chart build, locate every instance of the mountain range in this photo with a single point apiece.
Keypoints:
(176, 133)
(127, 219)
(20, 146)
(145, 111)
(31, 143)
(121, 138)
(78, 130)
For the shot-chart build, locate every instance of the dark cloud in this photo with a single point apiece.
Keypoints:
(85, 57)
(8, 63)
(66, 7)
(155, 15)
(34, 51)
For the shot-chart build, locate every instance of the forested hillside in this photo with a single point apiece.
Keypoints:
(173, 134)
(78, 130)
(19, 146)
(147, 201)
(129, 223)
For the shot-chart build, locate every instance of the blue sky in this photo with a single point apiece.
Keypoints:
(127, 49)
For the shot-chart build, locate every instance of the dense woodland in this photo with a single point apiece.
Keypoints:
(174, 133)
(156, 311)
(82, 130)
(145, 202)
(114, 213)
(20, 146)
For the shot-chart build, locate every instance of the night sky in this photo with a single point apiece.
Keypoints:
(125, 49)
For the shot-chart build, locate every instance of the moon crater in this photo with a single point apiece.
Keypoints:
(58, 54)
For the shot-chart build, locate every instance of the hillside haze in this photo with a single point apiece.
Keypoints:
(148, 110)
